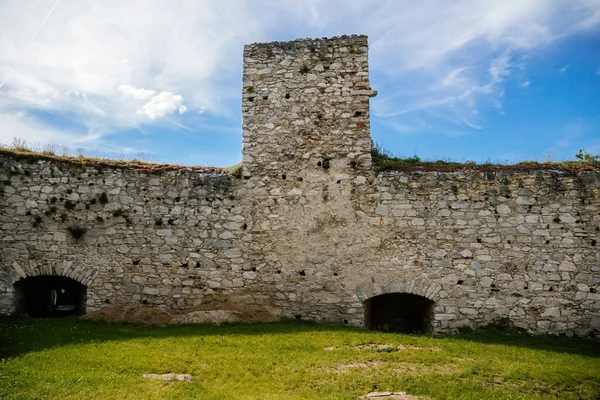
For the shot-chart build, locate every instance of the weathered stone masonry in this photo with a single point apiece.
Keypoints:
(310, 229)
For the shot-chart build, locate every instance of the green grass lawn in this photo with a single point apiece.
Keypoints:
(74, 359)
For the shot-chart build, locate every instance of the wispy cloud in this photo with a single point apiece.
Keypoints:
(456, 98)
(564, 69)
(510, 154)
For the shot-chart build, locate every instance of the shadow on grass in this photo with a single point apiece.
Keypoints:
(19, 335)
(558, 344)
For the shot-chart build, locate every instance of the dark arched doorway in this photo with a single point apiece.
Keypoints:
(399, 312)
(50, 296)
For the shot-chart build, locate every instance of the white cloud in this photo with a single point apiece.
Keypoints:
(500, 67)
(157, 105)
(133, 62)
(114, 54)
(138, 94)
(525, 84)
(24, 126)
(160, 105)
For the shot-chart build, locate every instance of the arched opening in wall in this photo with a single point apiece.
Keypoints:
(399, 312)
(50, 296)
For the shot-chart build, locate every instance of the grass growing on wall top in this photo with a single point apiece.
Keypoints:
(21, 149)
(73, 359)
(383, 160)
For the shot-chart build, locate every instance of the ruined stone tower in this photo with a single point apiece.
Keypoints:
(305, 106)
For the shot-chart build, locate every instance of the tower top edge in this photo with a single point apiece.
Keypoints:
(363, 39)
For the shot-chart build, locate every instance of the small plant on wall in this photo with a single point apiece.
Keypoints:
(103, 198)
(304, 69)
(37, 221)
(77, 232)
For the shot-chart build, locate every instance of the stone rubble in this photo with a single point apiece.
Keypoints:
(170, 377)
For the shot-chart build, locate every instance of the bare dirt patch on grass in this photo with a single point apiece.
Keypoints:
(379, 347)
(343, 368)
(132, 313)
(397, 368)
(214, 313)
(219, 312)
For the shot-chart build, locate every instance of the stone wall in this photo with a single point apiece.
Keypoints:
(309, 229)
(163, 239)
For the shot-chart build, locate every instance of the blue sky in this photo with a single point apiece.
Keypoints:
(461, 80)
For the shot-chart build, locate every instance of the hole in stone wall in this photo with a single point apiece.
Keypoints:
(250, 99)
(594, 242)
(399, 312)
(358, 113)
(245, 226)
(460, 282)
(50, 296)
(136, 262)
(283, 176)
(298, 316)
(345, 321)
(265, 97)
(287, 95)
(302, 273)
(478, 240)
(326, 163)
(299, 179)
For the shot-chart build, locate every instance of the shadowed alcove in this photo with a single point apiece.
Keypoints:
(399, 312)
(50, 296)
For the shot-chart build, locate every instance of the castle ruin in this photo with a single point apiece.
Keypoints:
(308, 229)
